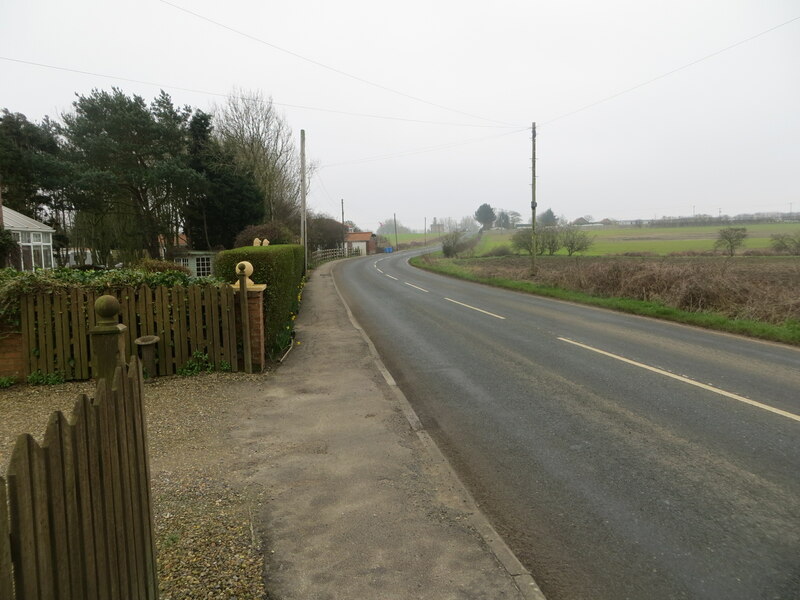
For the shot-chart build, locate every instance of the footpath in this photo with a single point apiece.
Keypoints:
(359, 502)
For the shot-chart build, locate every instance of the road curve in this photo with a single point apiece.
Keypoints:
(619, 456)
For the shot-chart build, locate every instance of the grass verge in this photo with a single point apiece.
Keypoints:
(788, 333)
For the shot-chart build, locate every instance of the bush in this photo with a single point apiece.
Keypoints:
(14, 284)
(786, 243)
(575, 239)
(7, 381)
(281, 269)
(39, 378)
(502, 250)
(521, 241)
(276, 232)
(450, 244)
(730, 239)
(152, 265)
(199, 363)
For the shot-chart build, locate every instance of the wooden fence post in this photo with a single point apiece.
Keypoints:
(108, 339)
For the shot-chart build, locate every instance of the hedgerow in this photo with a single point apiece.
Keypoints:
(15, 284)
(280, 267)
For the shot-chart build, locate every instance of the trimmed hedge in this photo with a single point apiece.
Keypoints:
(281, 268)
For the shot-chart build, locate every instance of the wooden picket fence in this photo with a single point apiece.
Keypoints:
(55, 327)
(78, 521)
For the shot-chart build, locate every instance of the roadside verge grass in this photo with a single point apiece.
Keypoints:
(788, 333)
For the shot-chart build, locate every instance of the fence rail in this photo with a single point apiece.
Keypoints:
(55, 327)
(321, 256)
(78, 523)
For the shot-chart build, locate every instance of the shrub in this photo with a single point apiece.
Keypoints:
(502, 250)
(276, 232)
(786, 243)
(7, 381)
(549, 239)
(521, 241)
(152, 265)
(281, 269)
(14, 284)
(199, 363)
(450, 244)
(730, 239)
(575, 239)
(39, 378)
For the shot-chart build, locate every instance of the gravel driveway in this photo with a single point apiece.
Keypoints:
(205, 538)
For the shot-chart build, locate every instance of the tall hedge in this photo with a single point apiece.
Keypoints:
(281, 268)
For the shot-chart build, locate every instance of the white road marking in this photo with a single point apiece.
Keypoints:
(703, 386)
(379, 271)
(416, 287)
(486, 312)
(395, 278)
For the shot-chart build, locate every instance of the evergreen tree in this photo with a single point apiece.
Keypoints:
(485, 216)
(227, 201)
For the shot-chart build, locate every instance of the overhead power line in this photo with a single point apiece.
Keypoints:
(330, 68)
(221, 95)
(672, 72)
(424, 150)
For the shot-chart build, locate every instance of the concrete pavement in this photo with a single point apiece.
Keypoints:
(360, 503)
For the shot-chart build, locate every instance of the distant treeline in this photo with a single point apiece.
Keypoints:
(705, 220)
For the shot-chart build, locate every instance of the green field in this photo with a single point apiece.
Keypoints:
(407, 238)
(658, 240)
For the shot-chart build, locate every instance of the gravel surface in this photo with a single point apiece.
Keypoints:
(205, 536)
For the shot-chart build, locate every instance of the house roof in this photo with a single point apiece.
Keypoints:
(12, 220)
(363, 236)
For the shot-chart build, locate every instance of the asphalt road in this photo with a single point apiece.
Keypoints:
(620, 457)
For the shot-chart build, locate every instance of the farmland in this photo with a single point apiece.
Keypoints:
(656, 240)
(753, 295)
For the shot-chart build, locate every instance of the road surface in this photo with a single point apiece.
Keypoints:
(619, 456)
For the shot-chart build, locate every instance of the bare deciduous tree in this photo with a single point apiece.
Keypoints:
(261, 142)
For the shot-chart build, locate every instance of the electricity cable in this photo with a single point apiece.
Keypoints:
(668, 73)
(282, 104)
(330, 68)
(424, 150)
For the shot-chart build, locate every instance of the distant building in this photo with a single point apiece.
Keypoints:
(199, 262)
(35, 241)
(364, 242)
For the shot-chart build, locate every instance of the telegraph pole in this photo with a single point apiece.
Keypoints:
(425, 231)
(303, 224)
(344, 227)
(533, 199)
(396, 244)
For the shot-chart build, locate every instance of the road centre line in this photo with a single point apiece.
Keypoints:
(704, 386)
(379, 271)
(417, 287)
(395, 278)
(486, 312)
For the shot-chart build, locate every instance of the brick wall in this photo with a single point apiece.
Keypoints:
(255, 311)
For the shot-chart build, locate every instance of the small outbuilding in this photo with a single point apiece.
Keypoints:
(35, 241)
(363, 243)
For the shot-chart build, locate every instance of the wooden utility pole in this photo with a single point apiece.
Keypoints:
(396, 243)
(425, 231)
(344, 227)
(303, 224)
(533, 199)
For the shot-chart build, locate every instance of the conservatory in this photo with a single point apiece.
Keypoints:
(35, 241)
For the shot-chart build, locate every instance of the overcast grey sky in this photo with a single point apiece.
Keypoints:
(721, 135)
